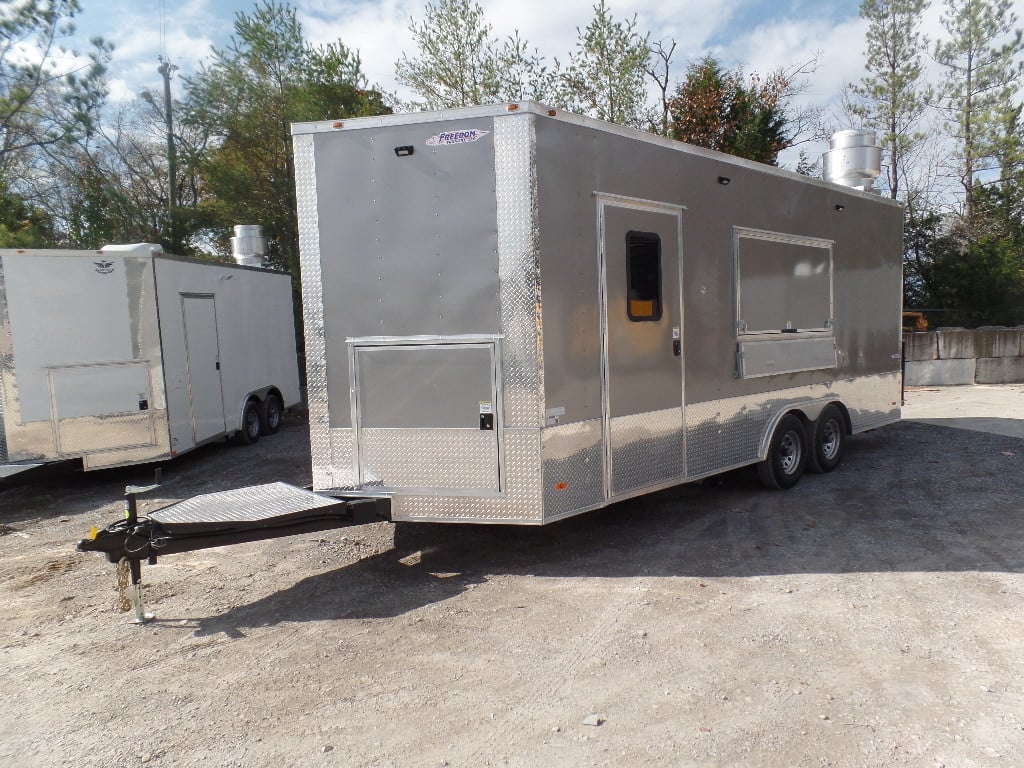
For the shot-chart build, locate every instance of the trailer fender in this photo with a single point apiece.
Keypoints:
(808, 410)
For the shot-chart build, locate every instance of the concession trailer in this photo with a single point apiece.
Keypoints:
(127, 355)
(515, 314)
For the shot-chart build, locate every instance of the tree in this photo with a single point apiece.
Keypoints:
(22, 226)
(245, 100)
(981, 76)
(44, 102)
(891, 97)
(659, 68)
(460, 64)
(717, 109)
(606, 72)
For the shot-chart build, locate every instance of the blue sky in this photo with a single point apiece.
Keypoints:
(759, 34)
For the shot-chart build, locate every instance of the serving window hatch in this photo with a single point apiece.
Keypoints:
(784, 303)
(783, 283)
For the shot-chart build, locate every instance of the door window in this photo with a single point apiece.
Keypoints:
(643, 276)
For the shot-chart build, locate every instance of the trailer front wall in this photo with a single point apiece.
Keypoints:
(80, 366)
(408, 258)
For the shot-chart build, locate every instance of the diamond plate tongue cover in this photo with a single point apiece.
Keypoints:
(256, 506)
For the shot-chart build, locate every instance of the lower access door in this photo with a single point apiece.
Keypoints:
(202, 359)
(642, 330)
(427, 416)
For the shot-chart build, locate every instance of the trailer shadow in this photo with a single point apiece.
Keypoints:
(910, 497)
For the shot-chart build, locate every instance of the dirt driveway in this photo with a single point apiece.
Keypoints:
(870, 617)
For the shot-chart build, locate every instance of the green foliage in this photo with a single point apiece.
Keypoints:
(716, 109)
(981, 77)
(43, 103)
(460, 64)
(22, 226)
(977, 277)
(605, 77)
(891, 97)
(245, 100)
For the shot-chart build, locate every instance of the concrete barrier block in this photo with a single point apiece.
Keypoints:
(940, 373)
(956, 344)
(922, 345)
(999, 370)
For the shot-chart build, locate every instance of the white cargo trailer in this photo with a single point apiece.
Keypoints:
(515, 314)
(128, 354)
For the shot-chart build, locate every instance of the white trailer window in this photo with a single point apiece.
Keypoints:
(783, 283)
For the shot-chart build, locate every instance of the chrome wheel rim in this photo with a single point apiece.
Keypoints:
(830, 440)
(789, 452)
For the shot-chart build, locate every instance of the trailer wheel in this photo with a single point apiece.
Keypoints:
(270, 415)
(787, 454)
(250, 431)
(827, 437)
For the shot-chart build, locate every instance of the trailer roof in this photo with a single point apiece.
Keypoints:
(542, 110)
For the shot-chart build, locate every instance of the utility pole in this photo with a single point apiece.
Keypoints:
(165, 69)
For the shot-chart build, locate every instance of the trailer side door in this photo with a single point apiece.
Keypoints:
(642, 344)
(202, 362)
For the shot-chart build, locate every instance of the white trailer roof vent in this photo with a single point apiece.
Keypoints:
(248, 247)
(853, 159)
(134, 249)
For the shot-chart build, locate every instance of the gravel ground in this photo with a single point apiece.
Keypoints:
(869, 617)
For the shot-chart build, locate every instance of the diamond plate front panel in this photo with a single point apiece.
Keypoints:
(519, 269)
(97, 433)
(646, 450)
(436, 459)
(520, 503)
(313, 309)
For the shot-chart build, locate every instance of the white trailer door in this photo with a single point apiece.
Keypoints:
(643, 363)
(202, 362)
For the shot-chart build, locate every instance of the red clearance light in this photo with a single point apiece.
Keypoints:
(512, 107)
(338, 125)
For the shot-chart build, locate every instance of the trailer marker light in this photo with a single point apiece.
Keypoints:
(339, 124)
(512, 107)
(724, 180)
(552, 113)
(561, 486)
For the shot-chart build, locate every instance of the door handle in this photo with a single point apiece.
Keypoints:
(677, 347)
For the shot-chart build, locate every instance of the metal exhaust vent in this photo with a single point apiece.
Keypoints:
(248, 247)
(853, 159)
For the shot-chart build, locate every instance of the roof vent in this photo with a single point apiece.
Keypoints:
(853, 159)
(248, 247)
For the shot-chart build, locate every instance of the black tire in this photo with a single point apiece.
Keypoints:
(787, 454)
(250, 431)
(270, 415)
(827, 438)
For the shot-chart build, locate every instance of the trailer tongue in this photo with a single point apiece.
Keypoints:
(246, 514)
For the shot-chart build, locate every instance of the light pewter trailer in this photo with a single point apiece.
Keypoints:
(128, 355)
(514, 315)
